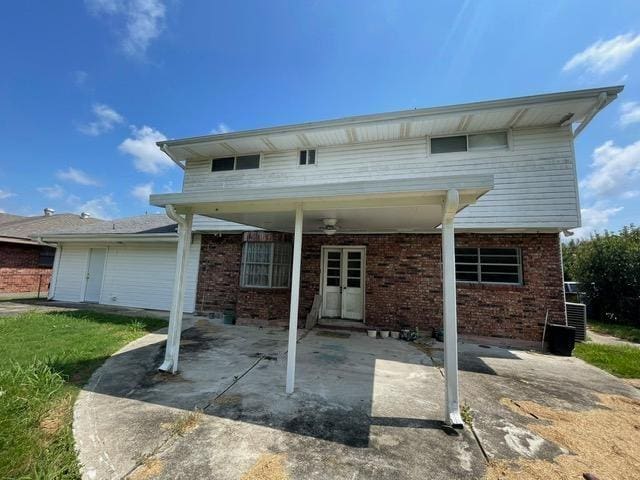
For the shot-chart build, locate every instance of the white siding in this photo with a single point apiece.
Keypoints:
(136, 275)
(535, 184)
(70, 273)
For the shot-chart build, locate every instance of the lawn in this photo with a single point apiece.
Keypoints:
(622, 361)
(626, 332)
(48, 357)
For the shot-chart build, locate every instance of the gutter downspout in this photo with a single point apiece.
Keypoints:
(166, 150)
(177, 300)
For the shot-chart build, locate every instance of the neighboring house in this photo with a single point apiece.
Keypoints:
(25, 263)
(127, 262)
(446, 216)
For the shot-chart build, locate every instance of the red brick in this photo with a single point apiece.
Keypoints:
(19, 270)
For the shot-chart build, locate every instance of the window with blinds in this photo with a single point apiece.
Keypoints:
(266, 265)
(489, 265)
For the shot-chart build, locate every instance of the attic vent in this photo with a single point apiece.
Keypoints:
(48, 212)
(84, 215)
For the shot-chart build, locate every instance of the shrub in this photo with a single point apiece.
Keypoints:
(608, 267)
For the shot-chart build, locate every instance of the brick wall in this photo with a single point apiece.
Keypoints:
(403, 284)
(19, 270)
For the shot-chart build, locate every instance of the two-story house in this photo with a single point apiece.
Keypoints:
(360, 213)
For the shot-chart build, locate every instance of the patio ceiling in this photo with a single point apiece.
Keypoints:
(564, 108)
(401, 205)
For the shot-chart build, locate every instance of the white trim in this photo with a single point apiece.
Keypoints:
(54, 273)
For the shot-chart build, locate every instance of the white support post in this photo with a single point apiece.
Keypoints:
(177, 302)
(295, 295)
(449, 309)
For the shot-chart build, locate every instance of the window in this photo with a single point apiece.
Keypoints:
(241, 162)
(488, 265)
(47, 254)
(473, 142)
(307, 157)
(449, 144)
(266, 264)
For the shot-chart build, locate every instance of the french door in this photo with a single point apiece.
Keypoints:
(343, 282)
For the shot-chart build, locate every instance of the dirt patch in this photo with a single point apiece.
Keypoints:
(228, 400)
(185, 423)
(268, 467)
(603, 441)
(56, 417)
(151, 468)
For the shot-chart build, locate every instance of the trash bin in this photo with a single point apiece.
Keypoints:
(562, 339)
(229, 317)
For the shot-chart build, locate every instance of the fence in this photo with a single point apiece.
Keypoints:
(24, 284)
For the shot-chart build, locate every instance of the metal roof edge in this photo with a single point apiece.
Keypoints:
(612, 91)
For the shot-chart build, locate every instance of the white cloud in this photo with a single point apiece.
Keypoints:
(142, 21)
(605, 56)
(77, 176)
(80, 77)
(6, 194)
(102, 207)
(629, 113)
(615, 171)
(55, 191)
(106, 119)
(594, 219)
(147, 157)
(142, 192)
(221, 128)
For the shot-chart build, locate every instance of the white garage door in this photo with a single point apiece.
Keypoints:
(134, 275)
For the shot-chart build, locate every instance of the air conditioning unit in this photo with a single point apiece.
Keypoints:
(577, 318)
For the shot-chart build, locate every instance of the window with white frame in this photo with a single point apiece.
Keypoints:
(307, 157)
(489, 265)
(469, 143)
(266, 264)
(240, 162)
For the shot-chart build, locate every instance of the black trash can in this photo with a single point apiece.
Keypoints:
(562, 339)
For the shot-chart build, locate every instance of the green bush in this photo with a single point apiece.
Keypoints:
(608, 267)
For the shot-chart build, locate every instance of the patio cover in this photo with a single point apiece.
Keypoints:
(417, 204)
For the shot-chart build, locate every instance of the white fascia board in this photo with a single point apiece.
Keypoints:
(368, 189)
(113, 238)
(475, 107)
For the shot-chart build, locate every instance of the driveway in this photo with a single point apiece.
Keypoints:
(363, 408)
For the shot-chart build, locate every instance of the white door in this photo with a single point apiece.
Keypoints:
(343, 289)
(95, 272)
(352, 291)
(332, 294)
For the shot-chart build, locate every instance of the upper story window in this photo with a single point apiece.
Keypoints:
(307, 157)
(240, 162)
(472, 142)
(489, 265)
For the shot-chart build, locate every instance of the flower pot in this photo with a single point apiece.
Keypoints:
(384, 333)
(395, 335)
(372, 333)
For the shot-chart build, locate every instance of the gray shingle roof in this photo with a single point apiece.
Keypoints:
(157, 223)
(29, 227)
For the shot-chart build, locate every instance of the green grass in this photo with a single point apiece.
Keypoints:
(47, 358)
(626, 332)
(622, 361)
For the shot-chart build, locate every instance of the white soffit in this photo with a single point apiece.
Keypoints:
(523, 112)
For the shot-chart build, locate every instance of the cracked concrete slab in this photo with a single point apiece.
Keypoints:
(363, 408)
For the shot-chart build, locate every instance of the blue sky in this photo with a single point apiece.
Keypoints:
(88, 87)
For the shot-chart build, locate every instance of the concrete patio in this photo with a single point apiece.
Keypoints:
(363, 408)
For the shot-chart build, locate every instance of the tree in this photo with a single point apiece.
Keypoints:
(608, 267)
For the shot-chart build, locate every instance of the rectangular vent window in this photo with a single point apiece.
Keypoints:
(241, 162)
(307, 157)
